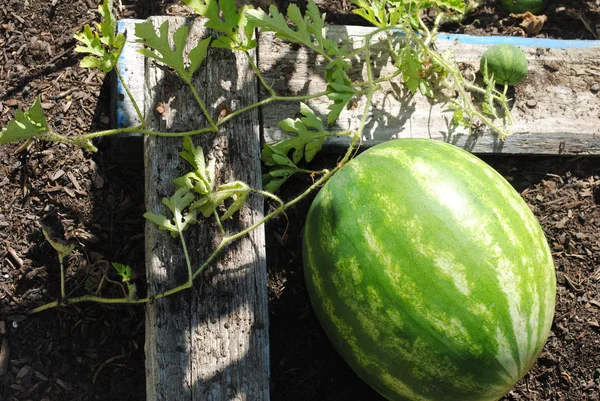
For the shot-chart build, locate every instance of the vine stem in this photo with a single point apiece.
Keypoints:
(259, 74)
(210, 120)
(130, 96)
(62, 277)
(188, 262)
(141, 130)
(225, 242)
(457, 77)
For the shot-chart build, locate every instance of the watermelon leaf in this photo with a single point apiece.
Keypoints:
(307, 143)
(160, 48)
(202, 178)
(412, 69)
(236, 190)
(104, 45)
(310, 28)
(225, 18)
(373, 11)
(339, 87)
(123, 271)
(276, 177)
(176, 205)
(25, 125)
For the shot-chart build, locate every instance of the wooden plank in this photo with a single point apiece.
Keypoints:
(555, 110)
(131, 65)
(210, 342)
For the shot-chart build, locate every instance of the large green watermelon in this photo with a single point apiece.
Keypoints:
(429, 273)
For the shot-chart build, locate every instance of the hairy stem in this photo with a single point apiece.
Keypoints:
(188, 262)
(210, 120)
(62, 278)
(259, 74)
(131, 98)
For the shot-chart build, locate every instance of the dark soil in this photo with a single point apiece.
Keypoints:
(95, 352)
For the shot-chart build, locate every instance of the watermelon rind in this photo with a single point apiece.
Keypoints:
(429, 274)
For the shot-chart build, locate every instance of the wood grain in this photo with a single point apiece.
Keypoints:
(208, 343)
(554, 109)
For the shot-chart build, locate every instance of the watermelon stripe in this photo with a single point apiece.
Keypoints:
(411, 302)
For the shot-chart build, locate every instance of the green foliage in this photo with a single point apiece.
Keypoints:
(339, 87)
(413, 69)
(26, 125)
(125, 272)
(160, 48)
(373, 11)
(62, 247)
(310, 29)
(307, 142)
(225, 18)
(103, 45)
(311, 32)
(195, 193)
(177, 204)
(384, 13)
(276, 177)
(237, 191)
(419, 68)
(201, 178)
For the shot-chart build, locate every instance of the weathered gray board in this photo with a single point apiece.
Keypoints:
(208, 343)
(555, 110)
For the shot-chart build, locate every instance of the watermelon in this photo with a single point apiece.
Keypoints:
(429, 273)
(506, 62)
(521, 6)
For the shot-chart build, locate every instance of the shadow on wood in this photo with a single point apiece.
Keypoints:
(554, 110)
(209, 342)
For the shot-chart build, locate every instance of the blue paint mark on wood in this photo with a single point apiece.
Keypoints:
(519, 41)
(131, 65)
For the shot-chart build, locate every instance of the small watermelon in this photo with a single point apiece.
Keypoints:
(520, 6)
(507, 62)
(429, 273)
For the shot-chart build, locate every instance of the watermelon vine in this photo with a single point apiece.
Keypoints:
(196, 196)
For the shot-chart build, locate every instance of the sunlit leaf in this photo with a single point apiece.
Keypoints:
(176, 205)
(104, 44)
(310, 28)
(25, 125)
(308, 140)
(159, 47)
(124, 271)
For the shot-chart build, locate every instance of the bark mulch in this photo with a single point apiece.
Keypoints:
(95, 201)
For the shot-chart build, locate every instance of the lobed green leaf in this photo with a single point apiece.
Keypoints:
(310, 28)
(177, 204)
(339, 86)
(104, 45)
(236, 190)
(308, 141)
(202, 178)
(276, 177)
(26, 125)
(124, 271)
(225, 18)
(160, 48)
